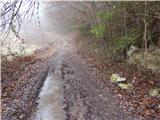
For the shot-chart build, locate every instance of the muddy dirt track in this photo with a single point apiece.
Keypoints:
(71, 93)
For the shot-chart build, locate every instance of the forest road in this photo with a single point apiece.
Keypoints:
(71, 93)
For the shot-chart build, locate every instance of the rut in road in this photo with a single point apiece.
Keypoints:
(51, 95)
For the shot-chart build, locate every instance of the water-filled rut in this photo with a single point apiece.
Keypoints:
(50, 102)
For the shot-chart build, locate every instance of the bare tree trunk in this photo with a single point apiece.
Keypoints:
(125, 21)
(145, 35)
(125, 30)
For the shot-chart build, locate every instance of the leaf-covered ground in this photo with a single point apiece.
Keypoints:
(23, 77)
(21, 80)
(137, 100)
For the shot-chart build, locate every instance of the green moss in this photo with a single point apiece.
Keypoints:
(114, 78)
(126, 86)
(154, 92)
(98, 30)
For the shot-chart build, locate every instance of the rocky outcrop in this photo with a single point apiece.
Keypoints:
(149, 59)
